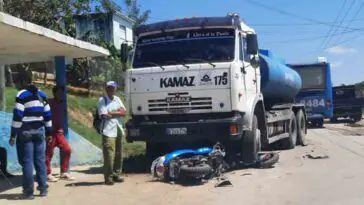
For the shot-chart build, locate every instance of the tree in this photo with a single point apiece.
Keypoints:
(134, 12)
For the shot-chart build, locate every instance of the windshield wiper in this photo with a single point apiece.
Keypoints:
(152, 63)
(175, 62)
(200, 59)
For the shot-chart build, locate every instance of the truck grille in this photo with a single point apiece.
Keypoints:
(180, 103)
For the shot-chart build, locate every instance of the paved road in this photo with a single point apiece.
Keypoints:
(296, 179)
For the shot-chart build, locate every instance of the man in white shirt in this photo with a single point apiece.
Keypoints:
(112, 111)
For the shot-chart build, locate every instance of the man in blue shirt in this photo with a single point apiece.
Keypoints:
(31, 123)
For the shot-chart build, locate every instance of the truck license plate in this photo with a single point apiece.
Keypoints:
(177, 131)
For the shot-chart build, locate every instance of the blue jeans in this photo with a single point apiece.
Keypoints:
(32, 152)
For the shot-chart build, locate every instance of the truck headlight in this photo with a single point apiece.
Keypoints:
(134, 132)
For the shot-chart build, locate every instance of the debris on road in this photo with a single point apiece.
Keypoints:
(317, 156)
(223, 183)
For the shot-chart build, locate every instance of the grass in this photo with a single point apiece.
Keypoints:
(80, 110)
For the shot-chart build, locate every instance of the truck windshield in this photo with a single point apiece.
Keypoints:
(313, 77)
(180, 47)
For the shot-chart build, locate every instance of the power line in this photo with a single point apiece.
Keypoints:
(336, 19)
(292, 14)
(342, 20)
(313, 38)
(295, 24)
(356, 14)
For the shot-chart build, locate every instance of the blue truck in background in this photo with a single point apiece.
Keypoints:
(316, 92)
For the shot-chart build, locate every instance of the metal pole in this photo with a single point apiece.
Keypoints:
(2, 74)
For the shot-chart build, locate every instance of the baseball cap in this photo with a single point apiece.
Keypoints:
(111, 84)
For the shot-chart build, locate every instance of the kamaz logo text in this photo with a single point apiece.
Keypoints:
(177, 82)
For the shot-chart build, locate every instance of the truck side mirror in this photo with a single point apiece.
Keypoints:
(124, 52)
(252, 44)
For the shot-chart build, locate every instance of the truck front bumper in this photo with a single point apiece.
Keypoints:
(226, 129)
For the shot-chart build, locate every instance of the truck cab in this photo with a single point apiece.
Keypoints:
(347, 103)
(197, 81)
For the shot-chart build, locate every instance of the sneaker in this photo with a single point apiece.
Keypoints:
(118, 179)
(110, 183)
(43, 193)
(51, 178)
(67, 176)
(27, 197)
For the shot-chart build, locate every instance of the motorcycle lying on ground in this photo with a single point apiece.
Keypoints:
(201, 164)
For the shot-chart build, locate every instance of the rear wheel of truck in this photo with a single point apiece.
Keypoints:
(291, 141)
(301, 128)
(251, 144)
(320, 123)
(357, 118)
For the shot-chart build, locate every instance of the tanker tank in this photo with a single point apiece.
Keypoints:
(279, 83)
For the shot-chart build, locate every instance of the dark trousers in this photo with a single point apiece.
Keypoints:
(3, 160)
(31, 153)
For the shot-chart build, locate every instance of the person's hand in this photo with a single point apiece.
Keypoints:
(12, 141)
(49, 139)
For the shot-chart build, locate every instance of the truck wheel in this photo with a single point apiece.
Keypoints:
(301, 128)
(357, 118)
(320, 123)
(291, 141)
(251, 144)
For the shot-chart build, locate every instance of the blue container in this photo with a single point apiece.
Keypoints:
(279, 83)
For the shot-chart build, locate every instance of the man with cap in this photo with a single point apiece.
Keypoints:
(112, 110)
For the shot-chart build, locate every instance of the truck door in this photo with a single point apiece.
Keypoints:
(250, 78)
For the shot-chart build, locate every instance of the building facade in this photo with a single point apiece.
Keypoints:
(114, 28)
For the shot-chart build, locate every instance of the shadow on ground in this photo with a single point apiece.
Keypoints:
(131, 165)
(84, 184)
(10, 197)
(9, 183)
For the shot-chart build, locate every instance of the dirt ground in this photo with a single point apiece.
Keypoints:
(296, 179)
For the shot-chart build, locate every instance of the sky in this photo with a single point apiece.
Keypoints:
(298, 31)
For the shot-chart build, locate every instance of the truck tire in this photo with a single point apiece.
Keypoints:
(301, 128)
(251, 145)
(320, 123)
(357, 118)
(291, 141)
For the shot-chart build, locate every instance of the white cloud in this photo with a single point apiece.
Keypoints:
(341, 50)
(336, 64)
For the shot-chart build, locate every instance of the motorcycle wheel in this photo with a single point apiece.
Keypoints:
(198, 171)
(268, 161)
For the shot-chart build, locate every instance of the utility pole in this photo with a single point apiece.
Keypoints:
(2, 73)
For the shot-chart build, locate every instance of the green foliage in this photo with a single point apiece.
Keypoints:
(134, 12)
(53, 14)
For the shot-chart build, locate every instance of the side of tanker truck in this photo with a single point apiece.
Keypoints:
(198, 81)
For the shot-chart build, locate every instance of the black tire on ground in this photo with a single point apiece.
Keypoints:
(251, 144)
(195, 171)
(333, 119)
(268, 163)
(320, 123)
(291, 141)
(301, 128)
(357, 118)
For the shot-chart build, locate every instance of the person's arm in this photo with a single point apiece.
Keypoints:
(121, 112)
(47, 117)
(18, 114)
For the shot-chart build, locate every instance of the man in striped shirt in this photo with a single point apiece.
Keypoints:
(31, 123)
